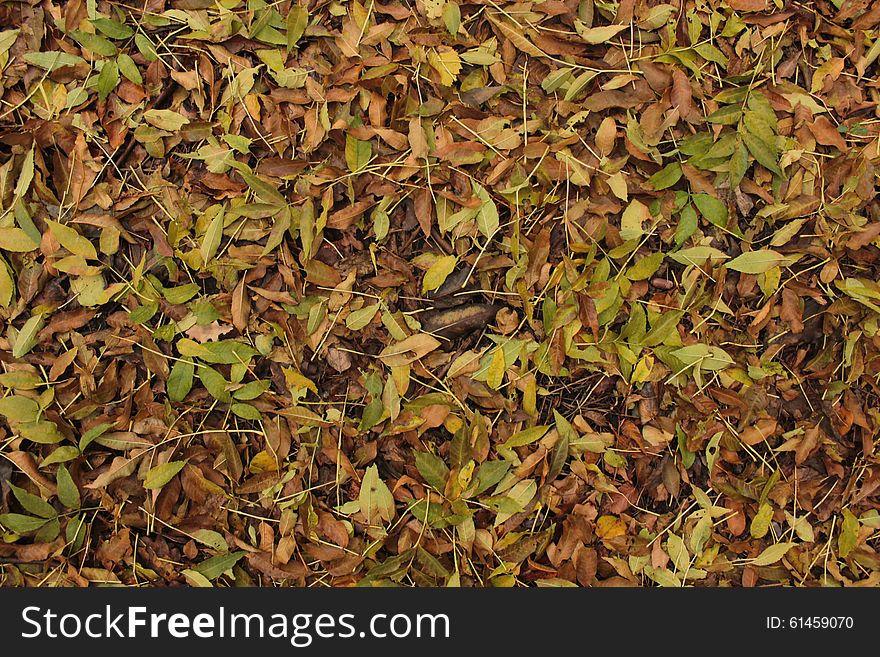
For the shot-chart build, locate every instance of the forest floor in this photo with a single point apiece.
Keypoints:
(429, 293)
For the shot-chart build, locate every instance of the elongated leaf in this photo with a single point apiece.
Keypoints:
(215, 566)
(772, 554)
(433, 469)
(180, 380)
(213, 236)
(487, 216)
(21, 524)
(357, 153)
(32, 503)
(162, 474)
(756, 262)
(597, 35)
(68, 493)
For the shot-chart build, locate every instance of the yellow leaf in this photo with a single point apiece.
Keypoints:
(445, 61)
(631, 221)
(72, 240)
(497, 367)
(263, 462)
(643, 369)
(294, 379)
(438, 272)
(165, 119)
(656, 437)
(7, 284)
(408, 350)
(16, 240)
(597, 35)
(617, 183)
(610, 526)
(213, 236)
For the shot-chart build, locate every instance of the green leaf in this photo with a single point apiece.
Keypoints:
(433, 470)
(92, 434)
(497, 368)
(60, 455)
(72, 240)
(43, 432)
(108, 79)
(559, 456)
(527, 436)
(215, 566)
(215, 384)
(705, 356)
(195, 578)
(645, 267)
(246, 412)
(490, 473)
(251, 390)
(487, 215)
(598, 35)
(358, 319)
(451, 17)
(52, 60)
(213, 236)
(265, 191)
(357, 153)
(113, 29)
(16, 408)
(727, 115)
(16, 240)
(739, 163)
(556, 79)
(212, 539)
(631, 220)
(788, 230)
(128, 68)
(7, 39)
(687, 224)
(663, 327)
(68, 493)
(162, 474)
(164, 119)
(771, 554)
(95, 43)
(712, 208)
(697, 255)
(32, 503)
(761, 145)
(144, 313)
(297, 21)
(7, 284)
(756, 262)
(181, 293)
(677, 552)
(21, 524)
(146, 47)
(666, 177)
(761, 522)
(180, 380)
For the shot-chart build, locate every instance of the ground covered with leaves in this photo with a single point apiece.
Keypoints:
(439, 293)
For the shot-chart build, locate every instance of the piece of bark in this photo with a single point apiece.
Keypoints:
(454, 322)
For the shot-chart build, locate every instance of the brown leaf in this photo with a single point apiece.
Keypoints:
(826, 134)
(748, 5)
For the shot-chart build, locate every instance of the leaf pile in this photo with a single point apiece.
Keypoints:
(439, 293)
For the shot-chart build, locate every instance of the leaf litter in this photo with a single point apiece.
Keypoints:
(561, 293)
